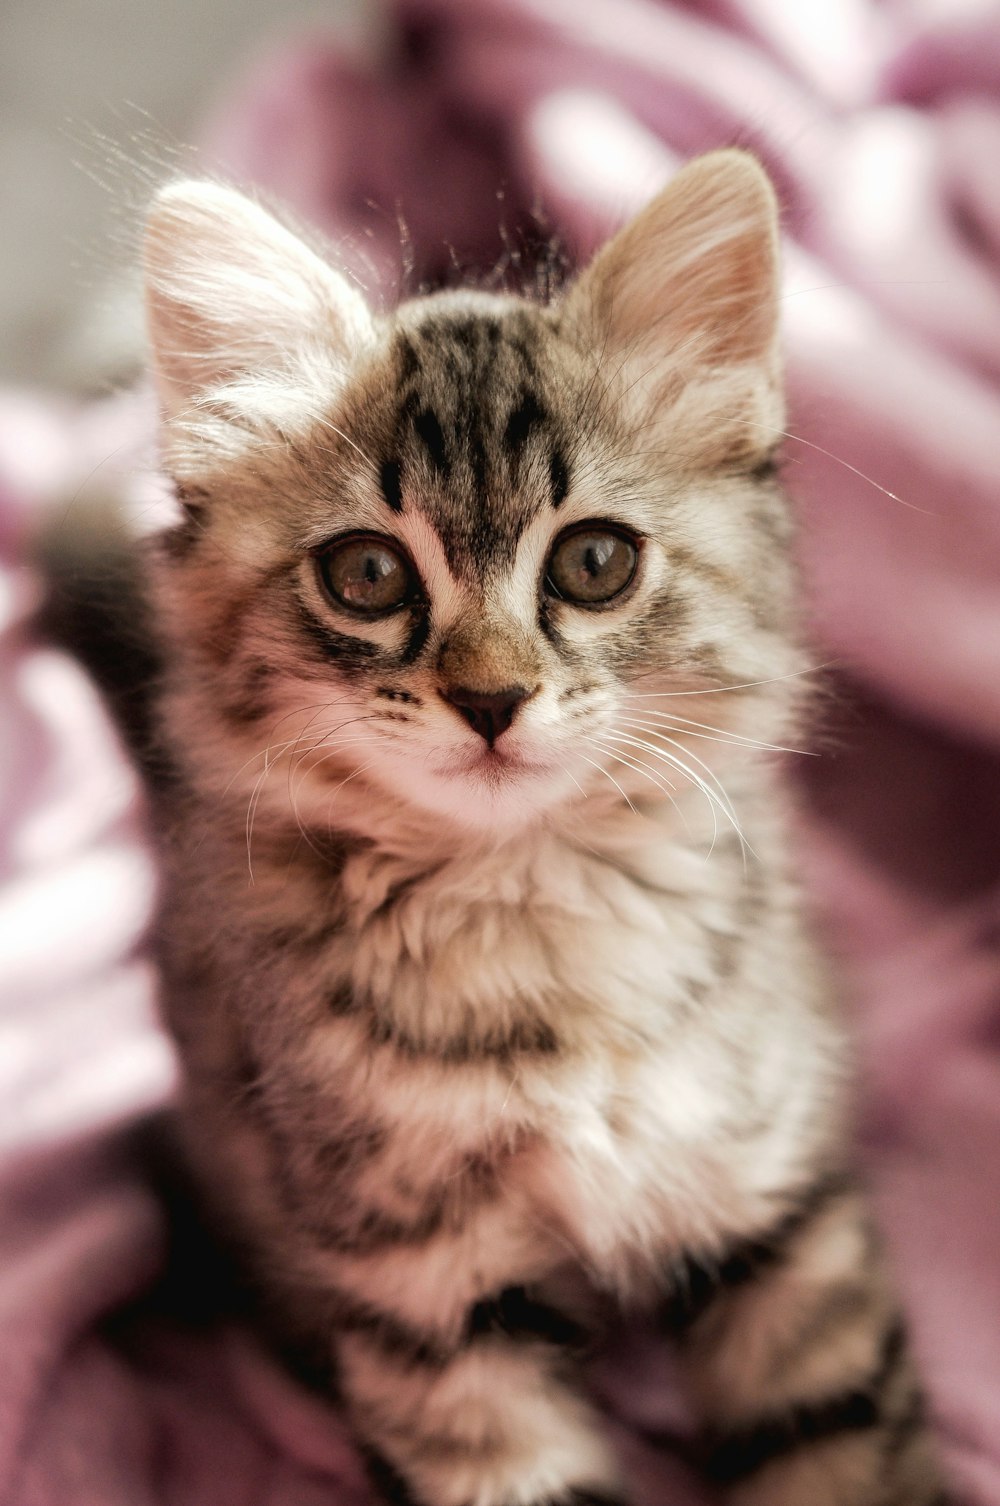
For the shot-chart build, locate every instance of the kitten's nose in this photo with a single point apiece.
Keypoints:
(487, 712)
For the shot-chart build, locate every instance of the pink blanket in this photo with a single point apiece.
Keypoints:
(881, 123)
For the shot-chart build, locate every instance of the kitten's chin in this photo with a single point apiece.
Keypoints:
(488, 795)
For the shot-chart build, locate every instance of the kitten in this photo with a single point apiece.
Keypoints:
(480, 935)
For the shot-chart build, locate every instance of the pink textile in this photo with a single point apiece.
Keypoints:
(881, 123)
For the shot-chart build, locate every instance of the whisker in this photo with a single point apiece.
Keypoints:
(275, 748)
(839, 460)
(601, 770)
(331, 747)
(701, 764)
(658, 695)
(315, 706)
(327, 738)
(661, 779)
(258, 789)
(716, 734)
(293, 794)
(576, 781)
(643, 768)
(628, 761)
(718, 800)
(269, 763)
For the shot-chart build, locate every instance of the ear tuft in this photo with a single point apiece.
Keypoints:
(230, 292)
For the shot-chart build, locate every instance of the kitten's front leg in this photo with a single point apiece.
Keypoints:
(492, 1419)
(798, 1360)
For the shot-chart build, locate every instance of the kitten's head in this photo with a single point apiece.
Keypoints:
(480, 556)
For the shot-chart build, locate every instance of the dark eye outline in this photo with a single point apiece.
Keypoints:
(414, 593)
(593, 525)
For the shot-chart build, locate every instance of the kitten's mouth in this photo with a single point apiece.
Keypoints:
(498, 761)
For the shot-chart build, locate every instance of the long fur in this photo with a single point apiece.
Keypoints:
(487, 1031)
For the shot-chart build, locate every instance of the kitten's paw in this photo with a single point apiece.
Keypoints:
(395, 1490)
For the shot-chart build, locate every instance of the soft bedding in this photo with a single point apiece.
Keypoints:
(881, 124)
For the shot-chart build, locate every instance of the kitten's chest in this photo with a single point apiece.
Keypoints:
(552, 1011)
(537, 951)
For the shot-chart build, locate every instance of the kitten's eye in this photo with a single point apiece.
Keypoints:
(591, 564)
(366, 574)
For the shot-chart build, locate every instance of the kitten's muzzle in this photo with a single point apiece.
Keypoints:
(489, 713)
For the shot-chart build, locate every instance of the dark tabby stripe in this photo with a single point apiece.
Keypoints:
(252, 699)
(468, 334)
(476, 450)
(524, 1038)
(399, 891)
(364, 1228)
(427, 427)
(517, 1315)
(391, 482)
(393, 1337)
(558, 478)
(512, 1313)
(766, 469)
(409, 360)
(174, 544)
(353, 656)
(698, 1279)
(350, 654)
(738, 1453)
(373, 1230)
(528, 416)
(335, 1153)
(419, 634)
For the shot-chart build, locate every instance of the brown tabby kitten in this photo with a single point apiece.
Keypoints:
(480, 939)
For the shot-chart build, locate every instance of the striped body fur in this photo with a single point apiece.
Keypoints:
(479, 935)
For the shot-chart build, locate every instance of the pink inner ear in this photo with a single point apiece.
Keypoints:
(697, 269)
(732, 299)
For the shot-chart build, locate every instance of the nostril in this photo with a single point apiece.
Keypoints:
(489, 713)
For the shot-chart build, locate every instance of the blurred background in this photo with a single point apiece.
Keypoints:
(74, 74)
(500, 139)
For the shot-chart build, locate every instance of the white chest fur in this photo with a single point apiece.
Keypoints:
(627, 1132)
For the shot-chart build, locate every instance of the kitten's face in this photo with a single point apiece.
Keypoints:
(475, 562)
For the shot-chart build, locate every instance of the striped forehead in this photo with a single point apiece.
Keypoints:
(474, 440)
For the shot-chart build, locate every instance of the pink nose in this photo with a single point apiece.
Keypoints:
(487, 712)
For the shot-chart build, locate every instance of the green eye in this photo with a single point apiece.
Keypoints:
(591, 564)
(367, 575)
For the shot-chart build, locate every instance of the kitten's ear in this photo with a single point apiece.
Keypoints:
(230, 292)
(689, 290)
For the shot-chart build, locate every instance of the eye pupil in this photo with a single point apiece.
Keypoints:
(366, 575)
(591, 565)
